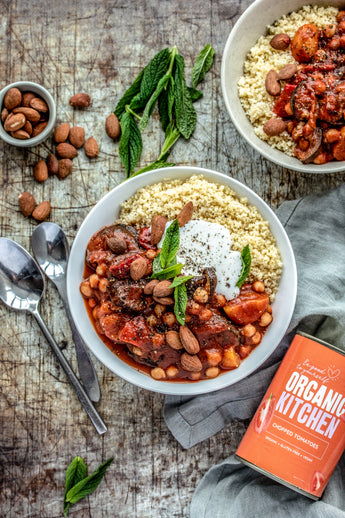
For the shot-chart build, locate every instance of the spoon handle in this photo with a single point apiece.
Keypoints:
(82, 395)
(85, 366)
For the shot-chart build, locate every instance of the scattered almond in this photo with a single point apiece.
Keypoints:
(27, 127)
(41, 171)
(162, 289)
(173, 339)
(287, 72)
(20, 134)
(4, 114)
(148, 289)
(164, 301)
(27, 96)
(137, 268)
(39, 128)
(280, 42)
(38, 104)
(186, 214)
(14, 122)
(65, 150)
(64, 168)
(272, 84)
(91, 148)
(112, 126)
(117, 244)
(189, 340)
(77, 136)
(27, 203)
(12, 98)
(61, 133)
(52, 164)
(190, 363)
(30, 114)
(157, 229)
(80, 100)
(274, 127)
(42, 211)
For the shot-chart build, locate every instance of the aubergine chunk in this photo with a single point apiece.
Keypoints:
(98, 250)
(215, 331)
(128, 294)
(207, 280)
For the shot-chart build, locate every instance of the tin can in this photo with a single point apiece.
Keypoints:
(297, 434)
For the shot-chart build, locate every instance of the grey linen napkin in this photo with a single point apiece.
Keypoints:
(316, 228)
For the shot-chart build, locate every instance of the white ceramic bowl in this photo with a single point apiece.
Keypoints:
(105, 213)
(249, 27)
(27, 86)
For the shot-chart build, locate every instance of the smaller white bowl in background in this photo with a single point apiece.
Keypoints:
(245, 33)
(28, 86)
(106, 212)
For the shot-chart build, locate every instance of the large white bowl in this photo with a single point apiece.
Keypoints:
(105, 213)
(245, 33)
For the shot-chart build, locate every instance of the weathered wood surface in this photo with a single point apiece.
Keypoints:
(98, 47)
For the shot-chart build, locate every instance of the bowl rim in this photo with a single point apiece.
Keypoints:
(43, 92)
(76, 264)
(272, 154)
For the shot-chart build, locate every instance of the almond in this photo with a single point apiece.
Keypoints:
(14, 122)
(189, 340)
(287, 72)
(77, 136)
(172, 338)
(162, 289)
(280, 42)
(41, 171)
(38, 104)
(20, 134)
(12, 98)
(165, 301)
(30, 114)
(27, 127)
(271, 83)
(65, 150)
(148, 289)
(190, 363)
(91, 148)
(42, 211)
(64, 168)
(27, 96)
(274, 127)
(4, 114)
(112, 126)
(117, 244)
(157, 229)
(27, 203)
(137, 268)
(38, 129)
(52, 164)
(61, 133)
(80, 100)
(186, 214)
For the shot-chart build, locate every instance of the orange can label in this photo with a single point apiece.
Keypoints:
(297, 434)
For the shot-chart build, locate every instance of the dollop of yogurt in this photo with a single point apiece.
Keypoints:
(203, 245)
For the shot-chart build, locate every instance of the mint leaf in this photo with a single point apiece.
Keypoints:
(127, 97)
(152, 101)
(180, 280)
(130, 143)
(170, 244)
(166, 103)
(194, 94)
(202, 64)
(153, 72)
(180, 296)
(75, 472)
(88, 484)
(184, 109)
(158, 164)
(246, 262)
(156, 265)
(168, 273)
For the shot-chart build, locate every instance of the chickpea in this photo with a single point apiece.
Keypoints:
(172, 371)
(213, 357)
(158, 340)
(93, 280)
(342, 132)
(332, 135)
(95, 312)
(193, 307)
(288, 109)
(136, 350)
(335, 43)
(341, 27)
(101, 270)
(258, 286)
(319, 87)
(244, 351)
(152, 320)
(249, 330)
(321, 158)
(158, 373)
(256, 339)
(212, 372)
(103, 285)
(329, 30)
(205, 315)
(265, 319)
(159, 309)
(269, 308)
(85, 289)
(303, 144)
(200, 295)
(195, 375)
(151, 254)
(340, 16)
(218, 300)
(92, 303)
(169, 319)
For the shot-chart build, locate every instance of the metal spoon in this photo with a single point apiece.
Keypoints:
(51, 251)
(21, 288)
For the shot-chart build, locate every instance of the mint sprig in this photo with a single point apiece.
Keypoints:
(246, 260)
(78, 485)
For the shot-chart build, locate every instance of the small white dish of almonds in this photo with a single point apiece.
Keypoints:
(268, 82)
(147, 303)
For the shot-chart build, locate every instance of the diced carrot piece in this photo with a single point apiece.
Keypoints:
(231, 359)
(247, 307)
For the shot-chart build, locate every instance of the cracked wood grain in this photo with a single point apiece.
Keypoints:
(99, 47)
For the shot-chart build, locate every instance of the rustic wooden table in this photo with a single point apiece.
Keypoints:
(99, 47)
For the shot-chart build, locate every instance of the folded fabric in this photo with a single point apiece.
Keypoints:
(316, 228)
